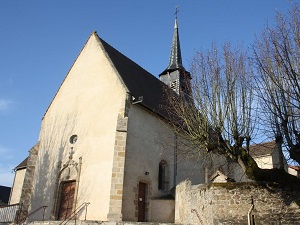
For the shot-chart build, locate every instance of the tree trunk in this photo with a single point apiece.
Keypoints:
(295, 154)
(253, 172)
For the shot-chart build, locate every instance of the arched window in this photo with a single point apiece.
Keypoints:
(163, 178)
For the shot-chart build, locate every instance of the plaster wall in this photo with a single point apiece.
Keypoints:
(264, 162)
(150, 140)
(163, 210)
(218, 162)
(293, 172)
(190, 163)
(271, 161)
(87, 105)
(17, 186)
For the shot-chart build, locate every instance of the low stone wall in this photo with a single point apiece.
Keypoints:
(229, 203)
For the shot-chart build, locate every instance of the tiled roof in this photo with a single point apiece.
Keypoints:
(22, 165)
(297, 168)
(262, 149)
(137, 80)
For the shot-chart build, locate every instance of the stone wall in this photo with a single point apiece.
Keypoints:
(229, 203)
(27, 187)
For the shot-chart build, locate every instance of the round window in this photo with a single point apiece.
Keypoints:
(73, 139)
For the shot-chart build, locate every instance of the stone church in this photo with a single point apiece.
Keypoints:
(106, 152)
(105, 147)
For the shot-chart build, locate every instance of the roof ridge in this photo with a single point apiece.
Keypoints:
(138, 81)
(106, 43)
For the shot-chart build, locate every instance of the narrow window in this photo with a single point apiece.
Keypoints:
(162, 175)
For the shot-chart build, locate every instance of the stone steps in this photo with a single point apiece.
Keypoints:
(87, 222)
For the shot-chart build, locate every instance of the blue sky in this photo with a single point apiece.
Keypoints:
(39, 41)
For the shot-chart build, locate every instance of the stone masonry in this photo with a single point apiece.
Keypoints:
(229, 203)
(116, 193)
(28, 182)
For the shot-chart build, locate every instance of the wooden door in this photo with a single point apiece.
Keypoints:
(66, 199)
(142, 202)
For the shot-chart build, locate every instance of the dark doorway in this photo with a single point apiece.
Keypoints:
(142, 202)
(67, 195)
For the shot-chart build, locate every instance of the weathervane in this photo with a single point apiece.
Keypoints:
(176, 11)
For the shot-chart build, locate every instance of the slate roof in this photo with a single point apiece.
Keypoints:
(137, 80)
(175, 61)
(4, 194)
(22, 165)
(262, 149)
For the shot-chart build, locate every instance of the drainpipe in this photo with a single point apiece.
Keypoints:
(250, 211)
(175, 160)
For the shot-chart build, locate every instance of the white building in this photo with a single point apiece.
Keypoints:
(104, 141)
(105, 147)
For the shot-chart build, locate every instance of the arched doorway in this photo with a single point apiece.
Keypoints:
(67, 196)
(66, 190)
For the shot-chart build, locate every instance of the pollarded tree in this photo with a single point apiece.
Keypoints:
(220, 116)
(277, 56)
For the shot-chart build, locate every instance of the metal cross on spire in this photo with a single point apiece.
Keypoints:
(176, 11)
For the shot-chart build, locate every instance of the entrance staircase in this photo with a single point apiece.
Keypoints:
(68, 221)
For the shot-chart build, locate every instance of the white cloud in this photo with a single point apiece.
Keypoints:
(5, 104)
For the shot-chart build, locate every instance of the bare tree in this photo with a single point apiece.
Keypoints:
(277, 56)
(220, 116)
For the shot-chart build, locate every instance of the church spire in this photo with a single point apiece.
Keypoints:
(175, 75)
(175, 61)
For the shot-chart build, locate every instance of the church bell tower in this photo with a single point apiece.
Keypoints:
(175, 75)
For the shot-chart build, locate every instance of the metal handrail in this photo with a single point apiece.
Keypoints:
(249, 215)
(8, 213)
(75, 212)
(194, 210)
(33, 212)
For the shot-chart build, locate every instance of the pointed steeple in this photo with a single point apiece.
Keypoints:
(175, 61)
(175, 75)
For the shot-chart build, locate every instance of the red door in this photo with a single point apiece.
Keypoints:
(66, 200)
(142, 202)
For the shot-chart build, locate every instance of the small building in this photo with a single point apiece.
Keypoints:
(267, 155)
(4, 195)
(18, 182)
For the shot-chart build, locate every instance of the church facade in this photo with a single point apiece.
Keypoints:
(106, 151)
(105, 148)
